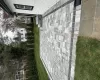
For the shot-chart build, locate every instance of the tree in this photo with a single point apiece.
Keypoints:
(12, 24)
(19, 23)
(1, 48)
(17, 53)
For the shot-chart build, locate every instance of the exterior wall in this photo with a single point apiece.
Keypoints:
(58, 37)
(96, 26)
(87, 17)
(90, 19)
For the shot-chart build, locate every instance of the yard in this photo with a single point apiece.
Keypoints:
(41, 70)
(87, 59)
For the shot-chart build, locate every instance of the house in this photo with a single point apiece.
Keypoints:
(20, 35)
(23, 33)
(24, 19)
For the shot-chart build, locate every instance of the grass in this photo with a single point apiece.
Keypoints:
(31, 68)
(41, 70)
(87, 59)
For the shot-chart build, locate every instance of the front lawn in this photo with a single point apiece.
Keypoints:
(41, 70)
(87, 59)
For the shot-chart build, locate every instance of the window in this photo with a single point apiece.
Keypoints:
(23, 7)
(19, 75)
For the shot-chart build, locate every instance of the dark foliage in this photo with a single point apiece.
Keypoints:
(17, 53)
